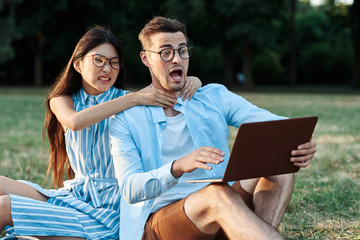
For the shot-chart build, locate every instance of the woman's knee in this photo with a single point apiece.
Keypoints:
(5, 211)
(5, 203)
(3, 183)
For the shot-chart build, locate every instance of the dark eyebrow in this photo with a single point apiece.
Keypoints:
(104, 56)
(170, 46)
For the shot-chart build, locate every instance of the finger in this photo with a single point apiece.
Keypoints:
(212, 156)
(302, 158)
(211, 149)
(302, 163)
(165, 103)
(186, 91)
(303, 152)
(191, 92)
(203, 166)
(209, 159)
(183, 91)
(162, 93)
(310, 144)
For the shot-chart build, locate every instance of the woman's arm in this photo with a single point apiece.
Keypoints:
(63, 107)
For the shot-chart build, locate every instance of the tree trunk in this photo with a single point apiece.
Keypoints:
(228, 49)
(355, 27)
(38, 64)
(38, 68)
(246, 62)
(292, 46)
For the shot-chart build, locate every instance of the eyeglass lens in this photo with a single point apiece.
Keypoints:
(169, 53)
(100, 61)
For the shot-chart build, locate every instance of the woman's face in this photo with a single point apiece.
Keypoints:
(95, 79)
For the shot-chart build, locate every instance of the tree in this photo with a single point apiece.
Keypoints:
(8, 31)
(355, 27)
(292, 45)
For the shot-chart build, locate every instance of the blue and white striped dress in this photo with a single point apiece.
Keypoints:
(88, 205)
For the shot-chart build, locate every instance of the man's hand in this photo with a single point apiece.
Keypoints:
(197, 159)
(304, 154)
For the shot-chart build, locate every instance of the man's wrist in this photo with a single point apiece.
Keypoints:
(174, 171)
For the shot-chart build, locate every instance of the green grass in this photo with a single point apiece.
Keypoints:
(326, 199)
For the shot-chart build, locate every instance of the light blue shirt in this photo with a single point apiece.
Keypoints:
(137, 137)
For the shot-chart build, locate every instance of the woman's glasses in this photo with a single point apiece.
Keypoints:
(100, 61)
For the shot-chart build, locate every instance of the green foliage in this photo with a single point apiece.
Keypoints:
(217, 28)
(267, 67)
(8, 32)
(320, 62)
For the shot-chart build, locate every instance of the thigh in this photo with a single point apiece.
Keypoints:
(171, 222)
(248, 199)
(246, 196)
(10, 186)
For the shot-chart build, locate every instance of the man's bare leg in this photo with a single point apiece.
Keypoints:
(271, 195)
(217, 205)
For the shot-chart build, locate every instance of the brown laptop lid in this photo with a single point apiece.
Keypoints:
(264, 148)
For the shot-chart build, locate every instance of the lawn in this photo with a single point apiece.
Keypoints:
(326, 199)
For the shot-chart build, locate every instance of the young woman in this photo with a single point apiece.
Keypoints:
(85, 95)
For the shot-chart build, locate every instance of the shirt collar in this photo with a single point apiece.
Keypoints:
(84, 97)
(158, 113)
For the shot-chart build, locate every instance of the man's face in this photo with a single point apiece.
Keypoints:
(169, 76)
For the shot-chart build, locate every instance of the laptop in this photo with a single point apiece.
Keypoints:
(264, 148)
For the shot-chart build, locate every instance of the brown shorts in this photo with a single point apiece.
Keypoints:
(171, 222)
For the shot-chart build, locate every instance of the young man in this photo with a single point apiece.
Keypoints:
(156, 150)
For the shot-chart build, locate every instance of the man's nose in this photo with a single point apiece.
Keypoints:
(177, 58)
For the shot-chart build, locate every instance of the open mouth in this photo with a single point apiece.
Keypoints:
(176, 74)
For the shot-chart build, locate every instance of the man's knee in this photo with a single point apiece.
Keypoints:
(283, 179)
(220, 194)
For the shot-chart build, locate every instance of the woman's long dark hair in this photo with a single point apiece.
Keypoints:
(68, 82)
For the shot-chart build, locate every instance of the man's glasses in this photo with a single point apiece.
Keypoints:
(100, 61)
(168, 54)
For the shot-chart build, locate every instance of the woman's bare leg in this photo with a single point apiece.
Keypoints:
(8, 185)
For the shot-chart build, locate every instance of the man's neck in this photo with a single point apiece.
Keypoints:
(171, 112)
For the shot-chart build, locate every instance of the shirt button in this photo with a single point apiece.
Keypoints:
(171, 184)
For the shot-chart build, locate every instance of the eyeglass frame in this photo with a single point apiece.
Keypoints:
(108, 61)
(174, 50)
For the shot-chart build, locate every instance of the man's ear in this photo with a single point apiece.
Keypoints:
(144, 58)
(76, 65)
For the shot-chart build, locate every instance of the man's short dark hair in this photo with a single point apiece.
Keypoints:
(160, 24)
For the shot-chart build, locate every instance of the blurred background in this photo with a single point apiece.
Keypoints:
(240, 43)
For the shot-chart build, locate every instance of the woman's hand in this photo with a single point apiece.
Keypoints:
(155, 97)
(191, 86)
